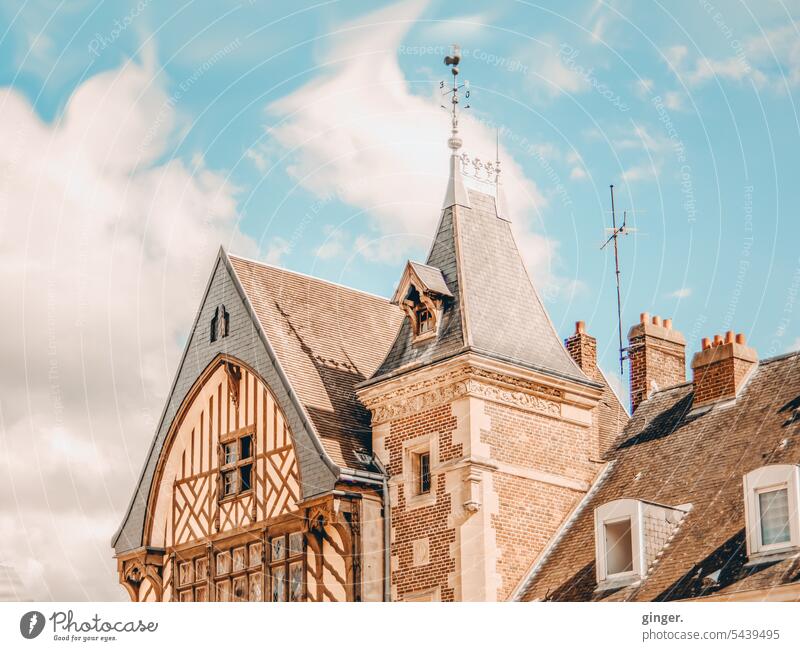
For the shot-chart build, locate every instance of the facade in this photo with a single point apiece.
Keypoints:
(323, 444)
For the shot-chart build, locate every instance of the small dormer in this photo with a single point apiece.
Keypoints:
(422, 293)
(630, 536)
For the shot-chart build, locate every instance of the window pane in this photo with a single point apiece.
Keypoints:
(186, 595)
(619, 553)
(239, 558)
(200, 593)
(296, 581)
(240, 588)
(223, 562)
(224, 590)
(201, 569)
(231, 453)
(295, 544)
(425, 473)
(245, 472)
(185, 573)
(279, 583)
(278, 548)
(774, 509)
(255, 554)
(229, 483)
(255, 587)
(247, 447)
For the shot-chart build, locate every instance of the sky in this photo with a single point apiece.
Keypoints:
(138, 138)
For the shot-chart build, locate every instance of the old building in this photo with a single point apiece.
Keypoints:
(323, 444)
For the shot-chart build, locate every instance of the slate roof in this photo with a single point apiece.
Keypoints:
(327, 338)
(431, 277)
(668, 455)
(495, 309)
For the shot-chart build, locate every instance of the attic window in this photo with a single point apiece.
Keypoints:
(424, 319)
(619, 548)
(772, 494)
(629, 536)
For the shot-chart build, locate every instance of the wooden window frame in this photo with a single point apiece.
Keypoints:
(197, 582)
(290, 559)
(237, 437)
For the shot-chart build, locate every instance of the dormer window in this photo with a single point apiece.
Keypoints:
(772, 494)
(629, 534)
(422, 294)
(424, 318)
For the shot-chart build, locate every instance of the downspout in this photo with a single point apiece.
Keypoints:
(387, 532)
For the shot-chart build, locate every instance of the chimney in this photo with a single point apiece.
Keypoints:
(583, 349)
(721, 368)
(657, 356)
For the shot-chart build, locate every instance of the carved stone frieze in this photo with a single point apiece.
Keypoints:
(429, 393)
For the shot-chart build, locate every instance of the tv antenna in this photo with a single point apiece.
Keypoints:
(615, 235)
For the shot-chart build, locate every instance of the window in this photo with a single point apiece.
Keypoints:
(236, 465)
(618, 544)
(771, 510)
(422, 472)
(287, 567)
(240, 573)
(629, 536)
(424, 320)
(619, 548)
(193, 576)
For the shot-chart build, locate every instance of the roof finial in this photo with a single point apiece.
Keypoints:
(499, 195)
(456, 193)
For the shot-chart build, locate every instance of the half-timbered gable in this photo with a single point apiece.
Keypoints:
(238, 497)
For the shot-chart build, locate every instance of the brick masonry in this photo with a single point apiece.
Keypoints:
(657, 356)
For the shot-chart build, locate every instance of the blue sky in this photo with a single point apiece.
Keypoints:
(141, 136)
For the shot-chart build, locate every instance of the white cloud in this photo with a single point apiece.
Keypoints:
(104, 256)
(683, 292)
(359, 133)
(277, 248)
(577, 173)
(334, 244)
(770, 59)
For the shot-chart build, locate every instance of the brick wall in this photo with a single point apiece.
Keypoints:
(657, 356)
(429, 522)
(530, 510)
(719, 371)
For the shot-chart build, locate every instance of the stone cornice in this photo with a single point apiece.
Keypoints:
(414, 397)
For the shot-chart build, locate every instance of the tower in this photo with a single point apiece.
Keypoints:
(485, 425)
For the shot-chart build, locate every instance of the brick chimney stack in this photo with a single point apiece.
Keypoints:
(582, 347)
(657, 356)
(721, 368)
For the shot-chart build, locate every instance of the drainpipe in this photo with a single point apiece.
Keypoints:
(387, 532)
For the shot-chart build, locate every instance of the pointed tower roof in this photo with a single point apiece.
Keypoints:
(494, 310)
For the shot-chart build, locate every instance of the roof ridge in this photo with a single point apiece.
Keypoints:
(293, 272)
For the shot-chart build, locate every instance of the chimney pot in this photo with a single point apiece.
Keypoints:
(719, 372)
(656, 320)
(668, 324)
(706, 343)
(644, 317)
(580, 327)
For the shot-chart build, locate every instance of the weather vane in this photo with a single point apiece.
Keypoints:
(452, 60)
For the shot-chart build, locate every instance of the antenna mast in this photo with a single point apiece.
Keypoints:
(615, 233)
